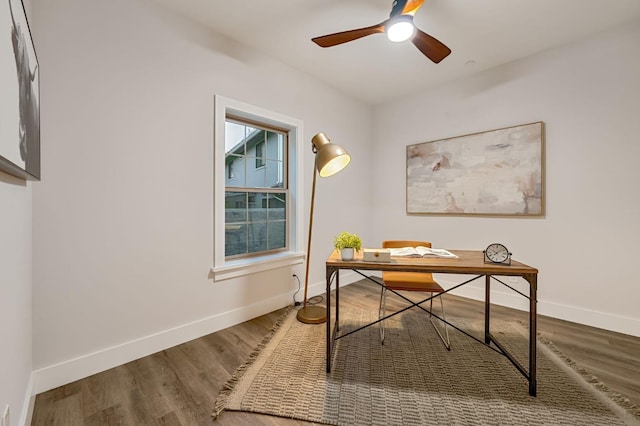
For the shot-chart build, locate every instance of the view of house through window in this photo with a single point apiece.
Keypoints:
(256, 190)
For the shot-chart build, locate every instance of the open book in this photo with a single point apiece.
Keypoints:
(420, 251)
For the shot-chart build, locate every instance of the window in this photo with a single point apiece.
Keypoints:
(257, 176)
(256, 203)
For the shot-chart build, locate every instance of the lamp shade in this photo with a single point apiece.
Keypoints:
(330, 158)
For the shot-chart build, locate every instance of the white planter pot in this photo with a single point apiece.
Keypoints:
(347, 253)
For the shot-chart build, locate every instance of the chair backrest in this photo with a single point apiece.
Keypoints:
(404, 243)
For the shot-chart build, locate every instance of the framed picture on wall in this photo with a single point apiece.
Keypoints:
(496, 172)
(19, 94)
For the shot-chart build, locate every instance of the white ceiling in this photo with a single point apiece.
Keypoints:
(481, 33)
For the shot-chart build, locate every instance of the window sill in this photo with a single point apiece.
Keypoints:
(241, 267)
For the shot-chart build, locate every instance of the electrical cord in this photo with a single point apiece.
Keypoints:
(311, 301)
(315, 300)
(295, 302)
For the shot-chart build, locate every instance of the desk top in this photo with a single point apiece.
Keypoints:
(468, 262)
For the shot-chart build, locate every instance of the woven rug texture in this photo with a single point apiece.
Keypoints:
(413, 380)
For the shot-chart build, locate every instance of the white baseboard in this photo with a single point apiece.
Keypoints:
(50, 377)
(604, 320)
(29, 403)
(504, 297)
(53, 376)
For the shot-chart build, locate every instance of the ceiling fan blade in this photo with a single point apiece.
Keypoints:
(345, 36)
(430, 47)
(412, 7)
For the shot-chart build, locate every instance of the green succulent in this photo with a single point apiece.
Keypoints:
(347, 240)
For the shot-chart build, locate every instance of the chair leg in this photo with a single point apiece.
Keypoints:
(382, 312)
(430, 304)
(447, 342)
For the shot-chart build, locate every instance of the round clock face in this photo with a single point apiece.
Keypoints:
(497, 253)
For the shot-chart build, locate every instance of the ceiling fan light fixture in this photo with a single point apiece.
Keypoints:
(400, 28)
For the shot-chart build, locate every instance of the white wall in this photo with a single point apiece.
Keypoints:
(123, 238)
(122, 221)
(15, 294)
(586, 246)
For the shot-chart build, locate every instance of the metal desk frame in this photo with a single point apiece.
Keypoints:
(468, 263)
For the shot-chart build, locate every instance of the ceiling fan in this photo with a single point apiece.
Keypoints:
(399, 27)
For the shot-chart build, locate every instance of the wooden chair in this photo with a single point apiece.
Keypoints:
(411, 281)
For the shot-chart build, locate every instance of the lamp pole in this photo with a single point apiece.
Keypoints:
(311, 314)
(328, 160)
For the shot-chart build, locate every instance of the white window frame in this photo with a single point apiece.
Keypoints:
(232, 268)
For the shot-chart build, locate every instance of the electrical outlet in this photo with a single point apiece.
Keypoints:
(5, 417)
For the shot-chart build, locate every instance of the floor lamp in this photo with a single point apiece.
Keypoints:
(329, 160)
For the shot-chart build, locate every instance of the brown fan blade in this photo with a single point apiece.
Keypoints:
(345, 36)
(430, 47)
(412, 7)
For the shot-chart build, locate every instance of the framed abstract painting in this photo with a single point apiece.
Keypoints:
(19, 94)
(496, 172)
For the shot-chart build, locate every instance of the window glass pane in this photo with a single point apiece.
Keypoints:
(255, 144)
(277, 235)
(274, 174)
(275, 146)
(235, 170)
(277, 206)
(256, 177)
(257, 237)
(235, 223)
(235, 239)
(258, 207)
(277, 226)
(235, 136)
(235, 205)
(259, 154)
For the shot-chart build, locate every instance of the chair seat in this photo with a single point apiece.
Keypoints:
(411, 281)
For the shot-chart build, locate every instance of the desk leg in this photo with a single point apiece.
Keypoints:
(532, 279)
(487, 309)
(329, 274)
(337, 299)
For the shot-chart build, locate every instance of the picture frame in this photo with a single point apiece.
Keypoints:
(19, 94)
(493, 173)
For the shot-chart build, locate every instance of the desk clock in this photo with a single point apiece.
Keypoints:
(497, 253)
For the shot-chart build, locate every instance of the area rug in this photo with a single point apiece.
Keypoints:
(413, 380)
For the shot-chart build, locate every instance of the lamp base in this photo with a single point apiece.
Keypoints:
(312, 314)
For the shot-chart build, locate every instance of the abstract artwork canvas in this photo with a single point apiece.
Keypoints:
(19, 94)
(497, 172)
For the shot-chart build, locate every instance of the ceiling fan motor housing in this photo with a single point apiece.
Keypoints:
(397, 7)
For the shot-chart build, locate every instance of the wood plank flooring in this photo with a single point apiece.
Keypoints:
(178, 386)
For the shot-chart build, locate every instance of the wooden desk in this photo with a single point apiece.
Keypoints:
(468, 262)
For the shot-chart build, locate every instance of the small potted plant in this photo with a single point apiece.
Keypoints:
(348, 244)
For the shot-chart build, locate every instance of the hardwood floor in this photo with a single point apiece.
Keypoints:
(178, 386)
